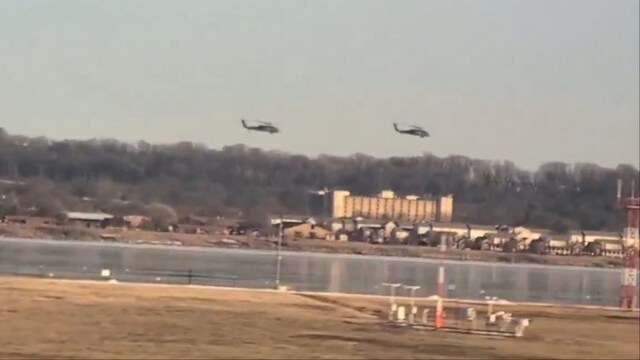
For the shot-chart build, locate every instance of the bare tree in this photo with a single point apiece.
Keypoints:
(193, 179)
(162, 215)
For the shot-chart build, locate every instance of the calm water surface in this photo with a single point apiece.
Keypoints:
(310, 272)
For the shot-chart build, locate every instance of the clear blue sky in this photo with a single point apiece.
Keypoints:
(527, 81)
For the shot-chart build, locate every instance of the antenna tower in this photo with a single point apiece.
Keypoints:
(629, 283)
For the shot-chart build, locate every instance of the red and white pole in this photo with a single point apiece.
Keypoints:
(442, 290)
(629, 283)
(439, 323)
(629, 286)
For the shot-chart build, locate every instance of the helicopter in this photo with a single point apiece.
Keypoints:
(412, 130)
(264, 127)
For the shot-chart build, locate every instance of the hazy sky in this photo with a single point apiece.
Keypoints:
(528, 81)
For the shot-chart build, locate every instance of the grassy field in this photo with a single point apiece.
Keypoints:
(60, 319)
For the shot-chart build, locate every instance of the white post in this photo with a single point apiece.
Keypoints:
(619, 189)
(393, 290)
(413, 310)
(392, 299)
(490, 301)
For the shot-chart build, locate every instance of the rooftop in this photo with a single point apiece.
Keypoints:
(462, 226)
(88, 216)
(596, 233)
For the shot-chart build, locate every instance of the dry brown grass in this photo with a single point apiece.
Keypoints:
(57, 319)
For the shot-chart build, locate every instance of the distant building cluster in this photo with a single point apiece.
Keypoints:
(340, 204)
(81, 219)
(457, 236)
(104, 221)
(360, 229)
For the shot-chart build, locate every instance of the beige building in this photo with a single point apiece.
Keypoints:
(590, 236)
(307, 230)
(471, 230)
(529, 234)
(135, 221)
(388, 206)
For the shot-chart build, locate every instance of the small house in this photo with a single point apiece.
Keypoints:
(90, 220)
(135, 221)
(307, 230)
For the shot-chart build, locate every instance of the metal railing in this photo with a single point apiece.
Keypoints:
(187, 277)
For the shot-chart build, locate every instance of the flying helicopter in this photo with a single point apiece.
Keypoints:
(412, 130)
(263, 126)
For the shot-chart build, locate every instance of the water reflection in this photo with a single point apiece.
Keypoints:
(317, 272)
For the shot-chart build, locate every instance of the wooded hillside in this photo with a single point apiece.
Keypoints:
(42, 177)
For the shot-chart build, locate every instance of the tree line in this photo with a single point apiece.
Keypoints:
(41, 176)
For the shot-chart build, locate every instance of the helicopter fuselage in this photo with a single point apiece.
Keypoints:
(265, 128)
(416, 132)
(412, 130)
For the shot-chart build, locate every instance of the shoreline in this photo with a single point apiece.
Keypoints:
(310, 246)
(270, 252)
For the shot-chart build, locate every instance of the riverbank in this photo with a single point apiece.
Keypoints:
(118, 321)
(302, 245)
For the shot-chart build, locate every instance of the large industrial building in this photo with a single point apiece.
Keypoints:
(342, 204)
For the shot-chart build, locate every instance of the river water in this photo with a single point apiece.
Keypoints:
(310, 272)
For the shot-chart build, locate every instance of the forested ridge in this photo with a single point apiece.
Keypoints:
(42, 177)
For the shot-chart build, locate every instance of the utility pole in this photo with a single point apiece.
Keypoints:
(278, 257)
